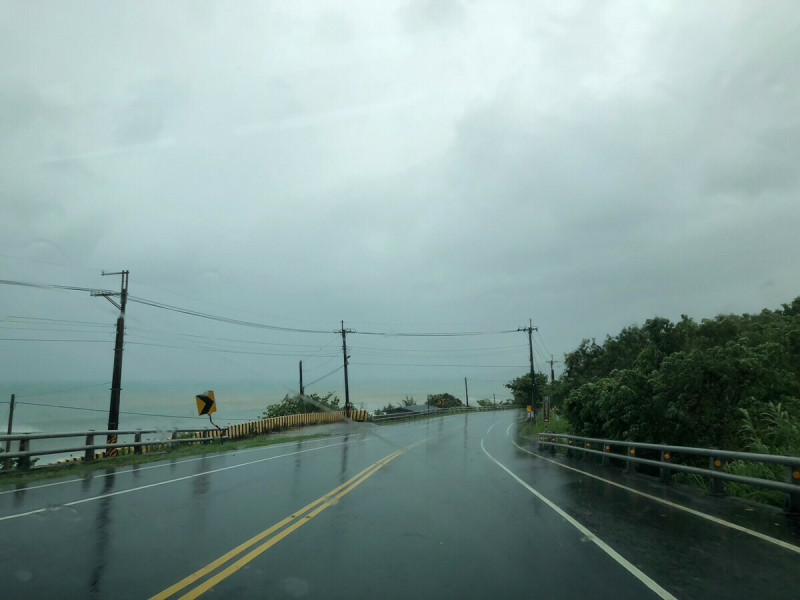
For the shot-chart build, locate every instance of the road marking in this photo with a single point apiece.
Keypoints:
(697, 513)
(280, 530)
(621, 560)
(165, 464)
(160, 483)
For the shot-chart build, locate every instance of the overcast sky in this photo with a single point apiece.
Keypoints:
(404, 166)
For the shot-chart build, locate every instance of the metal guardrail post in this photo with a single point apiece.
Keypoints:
(717, 484)
(23, 462)
(666, 473)
(88, 454)
(630, 466)
(553, 445)
(606, 451)
(792, 503)
(137, 439)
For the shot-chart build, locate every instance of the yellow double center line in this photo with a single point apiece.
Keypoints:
(266, 537)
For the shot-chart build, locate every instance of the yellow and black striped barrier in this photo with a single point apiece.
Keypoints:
(287, 421)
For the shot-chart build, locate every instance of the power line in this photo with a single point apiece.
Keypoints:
(122, 412)
(233, 321)
(221, 350)
(440, 365)
(192, 337)
(339, 368)
(45, 262)
(61, 406)
(49, 329)
(441, 354)
(33, 320)
(51, 340)
(203, 301)
(320, 349)
(542, 357)
(435, 334)
(322, 365)
(515, 347)
(62, 391)
(543, 344)
(229, 320)
(51, 286)
(241, 322)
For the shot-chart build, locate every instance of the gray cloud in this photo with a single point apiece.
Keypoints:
(419, 165)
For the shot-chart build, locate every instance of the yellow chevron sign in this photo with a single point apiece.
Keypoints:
(206, 403)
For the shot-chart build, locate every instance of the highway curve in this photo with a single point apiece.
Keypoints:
(450, 507)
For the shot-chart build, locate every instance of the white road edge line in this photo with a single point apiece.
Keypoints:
(697, 513)
(152, 485)
(621, 560)
(124, 471)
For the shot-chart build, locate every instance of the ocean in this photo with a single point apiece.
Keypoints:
(164, 406)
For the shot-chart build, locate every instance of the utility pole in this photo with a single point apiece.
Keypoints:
(10, 423)
(302, 389)
(116, 379)
(529, 330)
(344, 333)
(552, 372)
(466, 391)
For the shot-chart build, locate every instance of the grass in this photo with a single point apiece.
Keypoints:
(741, 490)
(528, 428)
(80, 468)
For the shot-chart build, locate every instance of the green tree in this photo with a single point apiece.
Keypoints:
(443, 401)
(297, 404)
(684, 382)
(521, 389)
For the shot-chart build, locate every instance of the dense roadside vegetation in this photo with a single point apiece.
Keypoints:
(298, 405)
(442, 400)
(730, 382)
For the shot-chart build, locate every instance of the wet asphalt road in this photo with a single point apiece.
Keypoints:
(444, 508)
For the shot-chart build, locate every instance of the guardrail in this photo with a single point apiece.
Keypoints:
(438, 412)
(627, 451)
(169, 438)
(176, 436)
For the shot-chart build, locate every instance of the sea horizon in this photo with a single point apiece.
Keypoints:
(67, 406)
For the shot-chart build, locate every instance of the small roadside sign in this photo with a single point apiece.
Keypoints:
(206, 403)
(547, 411)
(530, 408)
